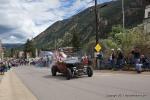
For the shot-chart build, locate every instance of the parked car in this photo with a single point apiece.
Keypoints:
(71, 67)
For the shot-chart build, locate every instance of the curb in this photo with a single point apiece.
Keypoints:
(120, 72)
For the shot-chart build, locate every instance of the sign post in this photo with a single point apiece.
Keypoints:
(98, 49)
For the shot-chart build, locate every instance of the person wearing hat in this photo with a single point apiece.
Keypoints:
(112, 58)
(120, 59)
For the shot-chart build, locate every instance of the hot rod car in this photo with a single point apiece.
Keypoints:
(71, 67)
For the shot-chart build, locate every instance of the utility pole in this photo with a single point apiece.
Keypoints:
(123, 15)
(123, 23)
(96, 19)
(96, 27)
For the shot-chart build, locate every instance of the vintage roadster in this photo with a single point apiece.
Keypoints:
(71, 67)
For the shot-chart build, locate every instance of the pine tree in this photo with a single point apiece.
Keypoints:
(29, 48)
(12, 52)
(75, 40)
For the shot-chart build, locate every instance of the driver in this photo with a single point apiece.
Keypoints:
(62, 57)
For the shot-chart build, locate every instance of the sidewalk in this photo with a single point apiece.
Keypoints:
(11, 88)
(120, 72)
(1, 76)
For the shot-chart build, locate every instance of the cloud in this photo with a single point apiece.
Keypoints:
(23, 19)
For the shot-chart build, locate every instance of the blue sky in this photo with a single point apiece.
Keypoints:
(23, 19)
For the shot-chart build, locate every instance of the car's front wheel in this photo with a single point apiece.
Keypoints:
(54, 70)
(89, 71)
(68, 74)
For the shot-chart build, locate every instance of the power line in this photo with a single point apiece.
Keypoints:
(78, 10)
(83, 8)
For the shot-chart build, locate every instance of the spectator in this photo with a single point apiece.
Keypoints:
(144, 61)
(85, 60)
(2, 68)
(138, 66)
(100, 59)
(120, 59)
(136, 54)
(112, 58)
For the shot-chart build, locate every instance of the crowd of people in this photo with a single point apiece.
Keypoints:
(5, 66)
(118, 60)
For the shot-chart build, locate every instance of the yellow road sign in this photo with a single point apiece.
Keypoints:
(98, 47)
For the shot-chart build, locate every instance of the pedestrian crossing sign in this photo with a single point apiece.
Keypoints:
(98, 47)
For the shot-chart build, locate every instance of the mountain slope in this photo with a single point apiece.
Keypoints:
(9, 46)
(84, 22)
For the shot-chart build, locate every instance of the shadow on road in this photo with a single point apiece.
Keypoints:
(59, 77)
(63, 77)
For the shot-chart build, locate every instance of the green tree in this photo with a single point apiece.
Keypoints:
(67, 39)
(75, 40)
(129, 38)
(29, 48)
(12, 52)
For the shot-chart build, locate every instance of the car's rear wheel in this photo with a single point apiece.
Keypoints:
(89, 71)
(54, 70)
(68, 74)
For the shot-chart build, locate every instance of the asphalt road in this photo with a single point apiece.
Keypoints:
(102, 86)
